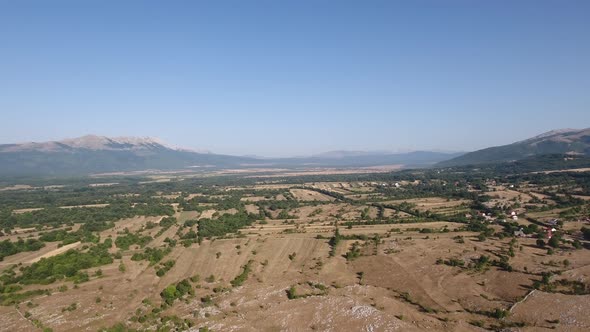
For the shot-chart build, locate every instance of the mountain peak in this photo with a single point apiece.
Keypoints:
(90, 142)
(95, 142)
(554, 132)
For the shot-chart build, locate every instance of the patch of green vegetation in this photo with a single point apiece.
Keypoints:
(67, 265)
(67, 237)
(165, 267)
(177, 291)
(451, 262)
(125, 241)
(315, 212)
(93, 218)
(153, 255)
(563, 286)
(334, 241)
(292, 293)
(284, 214)
(7, 299)
(242, 277)
(8, 248)
(354, 252)
(481, 264)
(224, 224)
(70, 308)
(165, 224)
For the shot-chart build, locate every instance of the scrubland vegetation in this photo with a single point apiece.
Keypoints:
(442, 246)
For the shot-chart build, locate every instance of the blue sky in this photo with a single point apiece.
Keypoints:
(280, 78)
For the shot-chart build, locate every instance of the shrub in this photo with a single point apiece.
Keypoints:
(291, 293)
(242, 277)
(554, 241)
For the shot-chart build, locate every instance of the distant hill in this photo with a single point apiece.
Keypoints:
(532, 164)
(563, 141)
(362, 158)
(99, 154)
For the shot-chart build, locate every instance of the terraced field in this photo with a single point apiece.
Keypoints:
(319, 258)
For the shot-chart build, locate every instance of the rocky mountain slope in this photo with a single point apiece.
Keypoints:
(98, 154)
(563, 141)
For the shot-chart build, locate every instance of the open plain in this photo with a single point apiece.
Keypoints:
(385, 252)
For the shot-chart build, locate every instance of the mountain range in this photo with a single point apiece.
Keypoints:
(99, 154)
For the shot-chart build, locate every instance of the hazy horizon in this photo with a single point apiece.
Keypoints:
(309, 154)
(295, 78)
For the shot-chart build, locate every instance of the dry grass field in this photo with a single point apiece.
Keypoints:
(388, 271)
(309, 195)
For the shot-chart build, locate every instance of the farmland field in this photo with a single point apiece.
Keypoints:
(394, 251)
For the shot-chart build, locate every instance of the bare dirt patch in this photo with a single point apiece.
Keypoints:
(310, 195)
(251, 208)
(56, 252)
(207, 214)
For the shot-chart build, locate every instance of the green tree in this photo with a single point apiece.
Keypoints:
(554, 242)
(169, 294)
